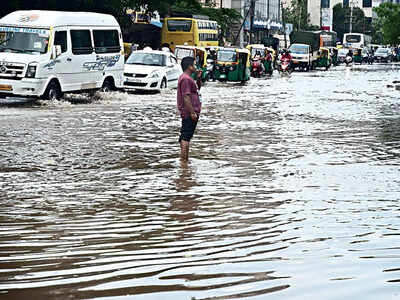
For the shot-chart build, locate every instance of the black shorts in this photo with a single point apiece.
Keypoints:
(187, 129)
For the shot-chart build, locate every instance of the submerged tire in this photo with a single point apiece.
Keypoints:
(53, 91)
(107, 86)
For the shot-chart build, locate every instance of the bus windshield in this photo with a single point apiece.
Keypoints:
(353, 38)
(24, 40)
(147, 59)
(179, 25)
(225, 55)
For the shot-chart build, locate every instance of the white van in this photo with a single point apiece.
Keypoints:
(46, 53)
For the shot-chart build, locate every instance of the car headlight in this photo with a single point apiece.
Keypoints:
(154, 74)
(31, 70)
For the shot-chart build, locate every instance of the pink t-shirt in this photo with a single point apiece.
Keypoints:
(187, 86)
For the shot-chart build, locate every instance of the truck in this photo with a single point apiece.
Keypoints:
(304, 47)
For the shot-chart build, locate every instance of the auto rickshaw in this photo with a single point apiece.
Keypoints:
(358, 55)
(233, 64)
(324, 58)
(200, 56)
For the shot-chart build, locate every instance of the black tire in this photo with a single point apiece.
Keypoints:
(53, 91)
(163, 84)
(107, 86)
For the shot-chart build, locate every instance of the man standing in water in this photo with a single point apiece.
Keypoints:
(188, 103)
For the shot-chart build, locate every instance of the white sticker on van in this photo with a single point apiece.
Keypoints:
(42, 32)
(37, 45)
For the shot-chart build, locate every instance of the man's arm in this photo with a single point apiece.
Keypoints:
(189, 107)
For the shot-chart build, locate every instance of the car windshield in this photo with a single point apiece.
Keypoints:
(298, 49)
(148, 59)
(381, 50)
(226, 55)
(24, 40)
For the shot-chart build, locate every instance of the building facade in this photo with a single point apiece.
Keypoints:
(217, 3)
(261, 19)
(321, 11)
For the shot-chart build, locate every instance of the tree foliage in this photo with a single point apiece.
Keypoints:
(388, 22)
(224, 17)
(297, 14)
(341, 21)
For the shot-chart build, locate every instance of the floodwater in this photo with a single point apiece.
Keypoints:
(291, 192)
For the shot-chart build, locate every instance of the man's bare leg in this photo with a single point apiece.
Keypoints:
(184, 150)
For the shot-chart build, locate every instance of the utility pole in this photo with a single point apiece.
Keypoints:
(299, 4)
(252, 13)
(284, 25)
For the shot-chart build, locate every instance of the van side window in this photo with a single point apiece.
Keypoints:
(81, 42)
(106, 41)
(61, 39)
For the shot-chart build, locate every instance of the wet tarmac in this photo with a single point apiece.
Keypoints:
(291, 192)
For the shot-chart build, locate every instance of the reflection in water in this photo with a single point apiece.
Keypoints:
(291, 193)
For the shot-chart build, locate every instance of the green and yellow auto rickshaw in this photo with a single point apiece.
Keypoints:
(324, 58)
(200, 56)
(233, 64)
(358, 55)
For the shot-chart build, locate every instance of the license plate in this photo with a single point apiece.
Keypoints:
(133, 80)
(223, 76)
(5, 87)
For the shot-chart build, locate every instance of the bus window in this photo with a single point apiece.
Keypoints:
(179, 25)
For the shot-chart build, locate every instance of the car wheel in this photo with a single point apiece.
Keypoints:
(53, 91)
(163, 84)
(107, 86)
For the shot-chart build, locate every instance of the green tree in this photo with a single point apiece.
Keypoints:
(388, 22)
(341, 21)
(297, 14)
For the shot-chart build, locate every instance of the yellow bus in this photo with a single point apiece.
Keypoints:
(189, 31)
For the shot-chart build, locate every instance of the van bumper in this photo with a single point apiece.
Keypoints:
(26, 87)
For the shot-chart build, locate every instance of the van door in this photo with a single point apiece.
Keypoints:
(61, 62)
(81, 69)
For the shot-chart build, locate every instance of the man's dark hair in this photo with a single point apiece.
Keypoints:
(186, 62)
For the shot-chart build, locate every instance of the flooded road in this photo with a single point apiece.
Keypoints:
(291, 193)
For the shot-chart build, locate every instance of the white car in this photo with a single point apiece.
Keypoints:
(151, 70)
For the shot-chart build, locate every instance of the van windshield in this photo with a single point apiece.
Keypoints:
(24, 40)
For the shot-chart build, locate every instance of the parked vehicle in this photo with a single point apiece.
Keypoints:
(151, 70)
(46, 53)
(200, 56)
(383, 55)
(233, 64)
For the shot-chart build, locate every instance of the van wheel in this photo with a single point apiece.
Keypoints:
(107, 86)
(163, 84)
(53, 92)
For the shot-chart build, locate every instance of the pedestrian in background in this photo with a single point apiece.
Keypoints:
(188, 103)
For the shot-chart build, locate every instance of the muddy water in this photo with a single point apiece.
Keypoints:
(291, 193)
